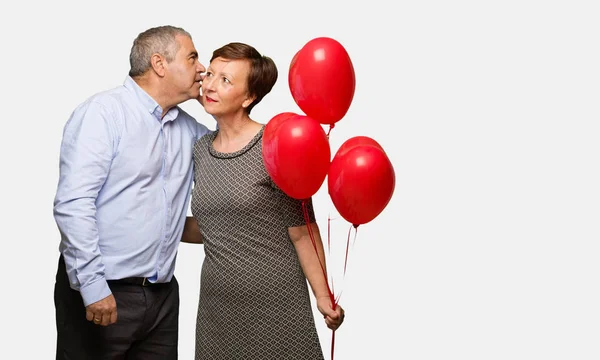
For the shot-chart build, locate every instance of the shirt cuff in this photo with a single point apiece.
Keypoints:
(95, 292)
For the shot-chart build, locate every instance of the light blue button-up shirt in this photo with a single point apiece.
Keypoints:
(124, 189)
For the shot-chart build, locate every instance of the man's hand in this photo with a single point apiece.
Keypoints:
(103, 312)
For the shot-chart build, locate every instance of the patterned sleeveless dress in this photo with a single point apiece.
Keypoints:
(254, 298)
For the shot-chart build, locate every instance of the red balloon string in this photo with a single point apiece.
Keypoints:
(332, 342)
(314, 243)
(329, 250)
(331, 126)
(329, 234)
(337, 300)
(347, 246)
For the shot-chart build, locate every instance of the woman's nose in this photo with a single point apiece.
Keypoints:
(207, 83)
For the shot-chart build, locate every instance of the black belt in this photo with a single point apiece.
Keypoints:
(142, 281)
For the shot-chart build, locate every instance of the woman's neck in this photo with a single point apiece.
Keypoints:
(235, 133)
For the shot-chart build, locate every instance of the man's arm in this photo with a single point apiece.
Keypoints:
(201, 130)
(191, 231)
(87, 149)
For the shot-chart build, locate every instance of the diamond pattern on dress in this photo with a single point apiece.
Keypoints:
(254, 299)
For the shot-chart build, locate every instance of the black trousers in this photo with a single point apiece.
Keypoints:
(146, 328)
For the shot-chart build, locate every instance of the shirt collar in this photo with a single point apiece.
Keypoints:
(148, 102)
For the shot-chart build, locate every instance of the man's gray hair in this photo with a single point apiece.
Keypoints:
(157, 40)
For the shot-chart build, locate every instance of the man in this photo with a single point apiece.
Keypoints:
(122, 198)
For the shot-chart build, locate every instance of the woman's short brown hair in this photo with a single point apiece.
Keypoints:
(263, 71)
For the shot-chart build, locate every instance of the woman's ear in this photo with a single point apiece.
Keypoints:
(248, 101)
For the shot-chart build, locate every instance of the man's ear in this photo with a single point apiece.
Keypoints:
(158, 63)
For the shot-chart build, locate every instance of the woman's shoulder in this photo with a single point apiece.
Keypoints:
(206, 138)
(203, 144)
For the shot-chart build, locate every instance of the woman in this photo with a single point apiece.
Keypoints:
(254, 301)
